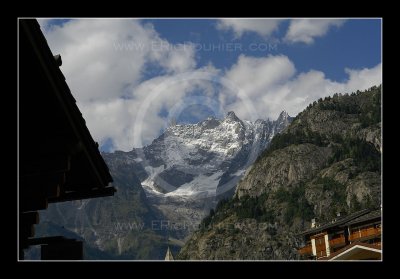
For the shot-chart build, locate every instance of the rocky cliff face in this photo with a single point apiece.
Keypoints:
(327, 160)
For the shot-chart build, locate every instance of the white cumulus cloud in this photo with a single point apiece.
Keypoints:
(263, 26)
(271, 84)
(305, 30)
(105, 61)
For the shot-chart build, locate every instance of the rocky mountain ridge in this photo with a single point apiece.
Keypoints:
(328, 160)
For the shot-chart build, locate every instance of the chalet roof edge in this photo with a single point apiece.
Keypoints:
(347, 220)
(66, 99)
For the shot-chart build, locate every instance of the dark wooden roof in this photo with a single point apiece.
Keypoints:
(370, 216)
(55, 146)
(354, 218)
(58, 158)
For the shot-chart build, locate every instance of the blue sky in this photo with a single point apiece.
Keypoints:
(357, 43)
(132, 76)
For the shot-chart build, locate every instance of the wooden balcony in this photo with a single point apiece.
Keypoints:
(339, 241)
(357, 235)
(365, 234)
(306, 250)
(336, 242)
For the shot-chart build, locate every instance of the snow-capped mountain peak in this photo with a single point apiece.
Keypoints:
(231, 116)
(207, 158)
(189, 167)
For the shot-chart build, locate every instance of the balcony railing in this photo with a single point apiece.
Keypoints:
(337, 241)
(365, 233)
(306, 250)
